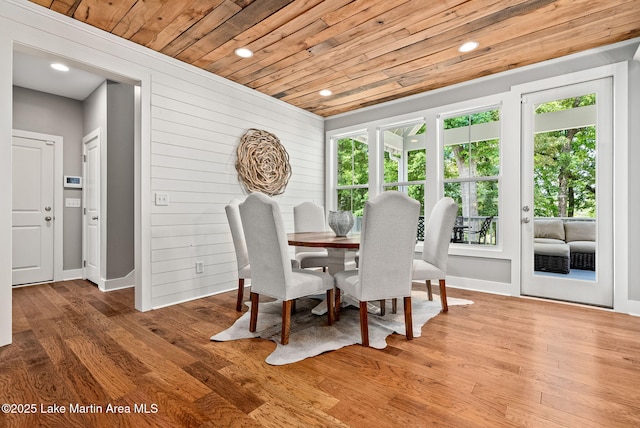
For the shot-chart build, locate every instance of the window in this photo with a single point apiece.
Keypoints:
(471, 165)
(405, 159)
(423, 155)
(352, 174)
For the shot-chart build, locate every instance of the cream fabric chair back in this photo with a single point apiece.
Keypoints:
(437, 234)
(387, 246)
(237, 234)
(309, 217)
(267, 245)
(271, 271)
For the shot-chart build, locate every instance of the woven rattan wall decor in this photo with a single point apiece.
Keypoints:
(263, 163)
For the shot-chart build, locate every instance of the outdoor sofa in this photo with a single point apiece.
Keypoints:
(560, 246)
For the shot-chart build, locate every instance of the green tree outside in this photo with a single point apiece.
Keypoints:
(565, 166)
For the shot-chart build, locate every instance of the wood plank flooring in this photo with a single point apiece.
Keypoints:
(501, 362)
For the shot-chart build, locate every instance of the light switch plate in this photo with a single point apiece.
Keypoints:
(162, 199)
(72, 202)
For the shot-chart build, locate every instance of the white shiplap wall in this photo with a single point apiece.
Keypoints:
(191, 122)
(196, 128)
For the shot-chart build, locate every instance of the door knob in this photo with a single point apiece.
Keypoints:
(94, 218)
(526, 220)
(47, 208)
(525, 208)
(48, 218)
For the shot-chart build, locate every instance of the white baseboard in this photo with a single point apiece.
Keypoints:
(68, 275)
(633, 307)
(479, 285)
(119, 283)
(190, 299)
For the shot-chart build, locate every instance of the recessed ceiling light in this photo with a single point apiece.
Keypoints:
(325, 92)
(244, 52)
(59, 67)
(468, 47)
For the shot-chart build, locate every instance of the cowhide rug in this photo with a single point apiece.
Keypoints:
(310, 335)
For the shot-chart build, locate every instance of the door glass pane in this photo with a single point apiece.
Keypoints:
(564, 178)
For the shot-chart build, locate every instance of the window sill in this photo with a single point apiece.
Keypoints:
(491, 252)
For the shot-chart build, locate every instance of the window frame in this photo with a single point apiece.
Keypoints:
(380, 145)
(476, 108)
(434, 186)
(332, 187)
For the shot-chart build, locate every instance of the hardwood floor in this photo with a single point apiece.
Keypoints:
(500, 362)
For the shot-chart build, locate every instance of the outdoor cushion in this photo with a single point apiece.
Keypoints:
(583, 246)
(552, 249)
(580, 231)
(548, 241)
(549, 228)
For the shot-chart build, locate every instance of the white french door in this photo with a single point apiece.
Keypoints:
(32, 210)
(567, 175)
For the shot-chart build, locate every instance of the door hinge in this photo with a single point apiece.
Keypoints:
(85, 211)
(84, 263)
(84, 158)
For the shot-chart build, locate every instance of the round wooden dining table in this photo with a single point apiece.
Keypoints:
(342, 252)
(324, 239)
(341, 249)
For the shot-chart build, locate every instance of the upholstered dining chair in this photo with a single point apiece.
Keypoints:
(387, 245)
(309, 217)
(271, 272)
(240, 246)
(435, 253)
(242, 257)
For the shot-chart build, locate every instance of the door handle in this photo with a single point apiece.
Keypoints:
(94, 218)
(48, 218)
(525, 220)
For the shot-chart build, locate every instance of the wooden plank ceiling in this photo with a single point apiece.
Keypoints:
(365, 51)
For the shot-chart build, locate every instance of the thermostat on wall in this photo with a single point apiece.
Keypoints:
(73, 181)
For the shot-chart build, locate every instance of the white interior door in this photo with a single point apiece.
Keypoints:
(567, 176)
(32, 210)
(91, 203)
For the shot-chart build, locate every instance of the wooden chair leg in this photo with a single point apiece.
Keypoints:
(394, 306)
(443, 295)
(428, 282)
(253, 320)
(383, 307)
(330, 309)
(336, 305)
(240, 294)
(294, 307)
(286, 321)
(364, 324)
(408, 319)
